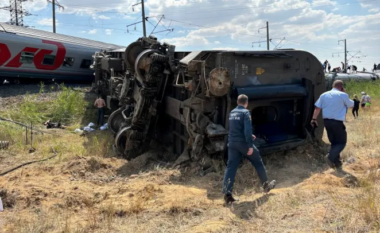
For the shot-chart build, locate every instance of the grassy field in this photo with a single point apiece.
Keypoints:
(87, 188)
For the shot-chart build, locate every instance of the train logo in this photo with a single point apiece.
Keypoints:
(5, 55)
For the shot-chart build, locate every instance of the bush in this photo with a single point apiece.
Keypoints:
(64, 107)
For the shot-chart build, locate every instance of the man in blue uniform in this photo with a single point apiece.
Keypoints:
(240, 145)
(334, 105)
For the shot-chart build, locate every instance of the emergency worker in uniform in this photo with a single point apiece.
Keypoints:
(240, 145)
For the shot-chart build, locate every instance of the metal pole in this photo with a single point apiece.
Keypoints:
(53, 4)
(345, 56)
(267, 35)
(143, 16)
(16, 12)
(31, 134)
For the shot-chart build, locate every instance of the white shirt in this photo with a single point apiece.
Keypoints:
(365, 99)
(334, 104)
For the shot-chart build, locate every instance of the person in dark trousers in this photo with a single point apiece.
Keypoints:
(329, 67)
(100, 104)
(334, 105)
(356, 107)
(240, 145)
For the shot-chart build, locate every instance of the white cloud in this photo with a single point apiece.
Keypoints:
(369, 3)
(226, 48)
(103, 17)
(108, 31)
(182, 31)
(374, 10)
(189, 40)
(47, 22)
(323, 3)
(83, 32)
(217, 42)
(93, 31)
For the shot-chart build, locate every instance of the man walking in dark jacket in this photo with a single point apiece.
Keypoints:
(240, 145)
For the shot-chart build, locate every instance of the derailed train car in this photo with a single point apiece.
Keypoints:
(182, 99)
(357, 77)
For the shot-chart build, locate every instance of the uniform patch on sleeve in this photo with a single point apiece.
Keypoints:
(250, 117)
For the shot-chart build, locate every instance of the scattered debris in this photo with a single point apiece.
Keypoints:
(89, 128)
(52, 125)
(8, 199)
(104, 127)
(4, 145)
(351, 160)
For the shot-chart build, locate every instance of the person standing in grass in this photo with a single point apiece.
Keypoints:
(365, 100)
(334, 105)
(355, 109)
(100, 104)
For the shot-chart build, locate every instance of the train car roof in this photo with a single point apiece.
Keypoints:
(40, 34)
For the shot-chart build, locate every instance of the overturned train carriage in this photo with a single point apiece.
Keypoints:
(182, 99)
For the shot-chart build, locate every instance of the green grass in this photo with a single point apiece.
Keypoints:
(372, 88)
(66, 107)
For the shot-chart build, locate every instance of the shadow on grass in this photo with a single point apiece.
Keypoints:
(247, 210)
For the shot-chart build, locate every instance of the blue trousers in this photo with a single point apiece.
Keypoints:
(337, 135)
(236, 152)
(100, 116)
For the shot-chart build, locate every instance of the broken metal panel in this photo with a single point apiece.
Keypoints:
(186, 60)
(112, 63)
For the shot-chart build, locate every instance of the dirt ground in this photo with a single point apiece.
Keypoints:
(87, 188)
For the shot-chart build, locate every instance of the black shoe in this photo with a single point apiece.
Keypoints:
(328, 161)
(268, 186)
(228, 199)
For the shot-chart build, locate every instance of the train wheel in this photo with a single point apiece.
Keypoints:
(115, 120)
(121, 144)
(121, 139)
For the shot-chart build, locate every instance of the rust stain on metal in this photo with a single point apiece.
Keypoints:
(219, 81)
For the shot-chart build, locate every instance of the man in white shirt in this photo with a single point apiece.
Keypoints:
(334, 106)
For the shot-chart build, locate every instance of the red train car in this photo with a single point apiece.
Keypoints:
(27, 53)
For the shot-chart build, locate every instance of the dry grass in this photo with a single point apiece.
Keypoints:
(87, 189)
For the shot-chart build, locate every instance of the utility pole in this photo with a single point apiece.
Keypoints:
(16, 12)
(53, 3)
(142, 14)
(267, 35)
(268, 39)
(143, 17)
(345, 54)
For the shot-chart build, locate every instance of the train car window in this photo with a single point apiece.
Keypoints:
(48, 60)
(68, 62)
(85, 64)
(26, 57)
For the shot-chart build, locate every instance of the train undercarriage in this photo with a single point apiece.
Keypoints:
(182, 99)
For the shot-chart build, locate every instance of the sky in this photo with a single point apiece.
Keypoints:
(312, 25)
